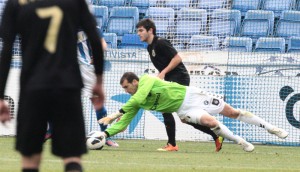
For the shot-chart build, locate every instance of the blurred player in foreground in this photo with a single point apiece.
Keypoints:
(167, 61)
(191, 104)
(87, 72)
(87, 69)
(50, 84)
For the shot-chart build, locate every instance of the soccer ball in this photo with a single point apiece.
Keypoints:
(94, 143)
(95, 140)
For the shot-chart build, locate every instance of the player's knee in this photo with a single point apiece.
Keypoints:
(230, 112)
(209, 121)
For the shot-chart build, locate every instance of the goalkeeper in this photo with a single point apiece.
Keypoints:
(192, 105)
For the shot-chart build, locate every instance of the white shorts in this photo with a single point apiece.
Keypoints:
(198, 102)
(88, 78)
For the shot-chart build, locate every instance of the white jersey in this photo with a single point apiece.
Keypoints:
(86, 68)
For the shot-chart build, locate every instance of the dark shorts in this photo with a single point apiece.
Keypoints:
(63, 109)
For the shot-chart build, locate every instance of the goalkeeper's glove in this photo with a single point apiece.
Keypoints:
(110, 118)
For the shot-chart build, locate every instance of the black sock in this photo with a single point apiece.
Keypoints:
(73, 166)
(204, 129)
(30, 170)
(170, 127)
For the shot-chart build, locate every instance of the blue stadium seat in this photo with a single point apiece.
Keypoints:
(288, 24)
(294, 45)
(177, 4)
(203, 43)
(210, 5)
(224, 23)
(245, 5)
(122, 20)
(190, 22)
(132, 41)
(276, 45)
(277, 6)
(111, 39)
(163, 18)
(143, 5)
(101, 15)
(109, 3)
(297, 5)
(238, 44)
(257, 23)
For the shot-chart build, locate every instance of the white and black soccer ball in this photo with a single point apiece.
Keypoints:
(94, 143)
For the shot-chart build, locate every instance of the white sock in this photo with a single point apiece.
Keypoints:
(250, 118)
(222, 130)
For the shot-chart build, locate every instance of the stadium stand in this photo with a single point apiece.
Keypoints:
(293, 45)
(163, 18)
(101, 16)
(122, 20)
(195, 19)
(257, 23)
(276, 45)
(288, 24)
(132, 41)
(238, 44)
(201, 42)
(230, 20)
(245, 5)
(177, 4)
(277, 6)
(210, 5)
(111, 39)
(110, 3)
(143, 5)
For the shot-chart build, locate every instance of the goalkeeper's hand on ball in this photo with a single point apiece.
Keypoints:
(110, 118)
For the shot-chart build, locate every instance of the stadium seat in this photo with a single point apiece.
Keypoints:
(293, 45)
(143, 5)
(163, 18)
(288, 24)
(257, 23)
(177, 4)
(132, 41)
(190, 22)
(203, 43)
(122, 20)
(101, 15)
(245, 5)
(238, 44)
(277, 6)
(224, 23)
(111, 39)
(276, 45)
(210, 5)
(109, 3)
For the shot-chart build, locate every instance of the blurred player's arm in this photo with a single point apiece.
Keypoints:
(8, 34)
(88, 24)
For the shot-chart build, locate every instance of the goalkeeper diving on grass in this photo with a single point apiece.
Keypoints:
(190, 103)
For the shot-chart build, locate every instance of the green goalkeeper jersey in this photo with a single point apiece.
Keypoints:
(152, 94)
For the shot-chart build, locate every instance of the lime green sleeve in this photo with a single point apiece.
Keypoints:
(123, 123)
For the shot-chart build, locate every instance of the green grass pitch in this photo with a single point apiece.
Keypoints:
(141, 156)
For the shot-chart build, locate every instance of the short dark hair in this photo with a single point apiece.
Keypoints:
(147, 24)
(129, 76)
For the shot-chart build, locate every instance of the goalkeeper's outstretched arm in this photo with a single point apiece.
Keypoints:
(110, 118)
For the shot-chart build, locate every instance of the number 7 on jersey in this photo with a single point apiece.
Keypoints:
(56, 15)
